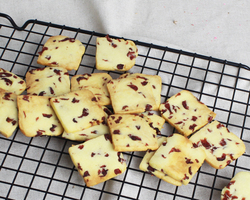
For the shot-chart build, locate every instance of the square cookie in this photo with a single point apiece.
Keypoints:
(178, 158)
(131, 95)
(92, 132)
(115, 54)
(154, 80)
(77, 110)
(11, 82)
(61, 51)
(221, 146)
(238, 187)
(131, 133)
(96, 83)
(145, 166)
(36, 117)
(48, 81)
(9, 113)
(96, 160)
(186, 113)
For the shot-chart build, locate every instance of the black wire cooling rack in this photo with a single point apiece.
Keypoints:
(40, 167)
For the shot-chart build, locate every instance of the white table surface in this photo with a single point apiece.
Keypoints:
(213, 28)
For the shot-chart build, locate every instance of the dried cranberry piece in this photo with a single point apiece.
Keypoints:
(134, 87)
(148, 107)
(138, 127)
(85, 174)
(184, 104)
(174, 150)
(74, 100)
(117, 171)
(223, 157)
(40, 132)
(120, 66)
(7, 81)
(79, 166)
(118, 120)
(108, 38)
(205, 143)
(47, 115)
(107, 137)
(134, 137)
(85, 112)
(116, 132)
(26, 98)
(80, 146)
(43, 49)
(194, 118)
(223, 142)
(192, 127)
(67, 39)
(5, 74)
(52, 129)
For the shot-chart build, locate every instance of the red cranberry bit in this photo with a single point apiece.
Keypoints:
(74, 100)
(21, 82)
(40, 132)
(85, 174)
(79, 166)
(163, 156)
(210, 118)
(227, 195)
(223, 142)
(119, 66)
(92, 154)
(9, 120)
(190, 171)
(7, 81)
(194, 118)
(85, 112)
(81, 78)
(106, 155)
(195, 145)
(220, 125)
(74, 120)
(223, 157)
(192, 127)
(108, 38)
(47, 115)
(105, 60)
(113, 45)
(117, 171)
(117, 132)
(118, 120)
(164, 143)
(52, 129)
(167, 106)
(150, 169)
(80, 146)
(184, 104)
(54, 63)
(185, 177)
(132, 86)
(178, 94)
(205, 143)
(5, 74)
(189, 161)
(148, 107)
(48, 57)
(177, 123)
(42, 94)
(134, 137)
(144, 83)
(131, 55)
(107, 137)
(138, 127)
(174, 150)
(51, 90)
(43, 49)
(67, 39)
(58, 72)
(26, 98)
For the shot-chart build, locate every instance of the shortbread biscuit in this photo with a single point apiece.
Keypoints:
(131, 95)
(61, 51)
(77, 110)
(238, 187)
(9, 113)
(92, 132)
(96, 160)
(115, 54)
(11, 82)
(178, 158)
(96, 83)
(154, 80)
(144, 165)
(48, 81)
(186, 113)
(221, 146)
(36, 116)
(131, 133)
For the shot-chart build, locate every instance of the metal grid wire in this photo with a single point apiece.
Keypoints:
(40, 167)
